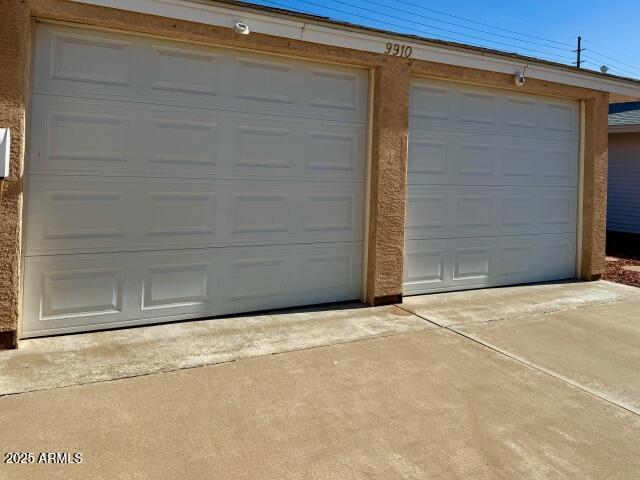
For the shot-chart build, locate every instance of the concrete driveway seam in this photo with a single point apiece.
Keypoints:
(602, 396)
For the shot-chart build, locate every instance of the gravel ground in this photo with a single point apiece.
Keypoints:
(622, 250)
(615, 272)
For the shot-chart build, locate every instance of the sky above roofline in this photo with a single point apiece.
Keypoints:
(540, 29)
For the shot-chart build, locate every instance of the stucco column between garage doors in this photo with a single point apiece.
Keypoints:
(594, 188)
(390, 116)
(388, 181)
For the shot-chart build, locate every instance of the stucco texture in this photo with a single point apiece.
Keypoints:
(594, 193)
(389, 147)
(389, 133)
(14, 51)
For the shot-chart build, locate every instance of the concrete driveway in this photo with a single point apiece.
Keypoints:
(522, 382)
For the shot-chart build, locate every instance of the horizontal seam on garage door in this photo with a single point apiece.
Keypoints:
(204, 177)
(536, 234)
(571, 141)
(182, 106)
(93, 250)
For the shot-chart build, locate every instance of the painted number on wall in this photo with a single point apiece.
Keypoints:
(398, 50)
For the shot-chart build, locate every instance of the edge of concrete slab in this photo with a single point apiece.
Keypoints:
(68, 360)
(490, 304)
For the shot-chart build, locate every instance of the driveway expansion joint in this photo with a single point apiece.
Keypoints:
(531, 365)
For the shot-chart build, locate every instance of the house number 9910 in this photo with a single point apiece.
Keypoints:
(398, 50)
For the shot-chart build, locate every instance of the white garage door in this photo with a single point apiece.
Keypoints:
(492, 188)
(170, 180)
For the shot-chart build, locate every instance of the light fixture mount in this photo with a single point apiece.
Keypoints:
(519, 79)
(241, 28)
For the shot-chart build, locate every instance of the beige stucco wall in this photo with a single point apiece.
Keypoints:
(388, 137)
(14, 48)
(388, 178)
(594, 190)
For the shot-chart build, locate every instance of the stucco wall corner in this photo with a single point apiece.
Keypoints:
(14, 48)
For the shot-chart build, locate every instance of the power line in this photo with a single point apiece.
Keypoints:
(430, 26)
(612, 59)
(454, 24)
(406, 27)
(439, 28)
(483, 24)
(290, 8)
(597, 65)
(612, 67)
(496, 12)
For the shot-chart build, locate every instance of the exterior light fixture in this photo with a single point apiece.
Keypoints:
(241, 28)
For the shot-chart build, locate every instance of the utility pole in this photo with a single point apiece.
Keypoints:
(579, 51)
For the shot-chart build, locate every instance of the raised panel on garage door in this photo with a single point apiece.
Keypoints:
(170, 180)
(492, 188)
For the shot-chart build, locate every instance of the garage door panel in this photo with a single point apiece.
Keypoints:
(474, 107)
(96, 291)
(334, 90)
(86, 136)
(114, 66)
(441, 265)
(471, 261)
(438, 211)
(89, 59)
(131, 139)
(74, 292)
(457, 263)
(426, 264)
(264, 80)
(175, 144)
(182, 71)
(176, 284)
(169, 180)
(492, 188)
(545, 257)
(457, 158)
(75, 215)
(557, 256)
(62, 215)
(442, 106)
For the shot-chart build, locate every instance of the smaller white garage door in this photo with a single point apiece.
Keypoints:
(168, 180)
(492, 188)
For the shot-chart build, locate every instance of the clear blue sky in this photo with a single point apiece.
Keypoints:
(608, 28)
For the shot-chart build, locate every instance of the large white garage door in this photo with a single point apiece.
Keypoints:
(492, 188)
(170, 180)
